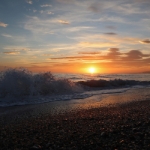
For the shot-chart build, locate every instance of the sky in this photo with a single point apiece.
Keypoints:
(69, 36)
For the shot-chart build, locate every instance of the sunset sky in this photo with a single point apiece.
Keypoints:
(73, 35)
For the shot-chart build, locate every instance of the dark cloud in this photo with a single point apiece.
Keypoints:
(135, 55)
(114, 50)
(110, 33)
(95, 7)
(111, 27)
(147, 41)
(113, 54)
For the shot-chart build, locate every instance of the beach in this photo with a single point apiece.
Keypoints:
(74, 75)
(118, 121)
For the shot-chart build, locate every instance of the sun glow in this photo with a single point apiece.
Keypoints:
(92, 70)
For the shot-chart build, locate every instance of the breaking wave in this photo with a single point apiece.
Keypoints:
(20, 87)
(21, 82)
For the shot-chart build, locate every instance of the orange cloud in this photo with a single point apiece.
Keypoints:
(113, 54)
(11, 53)
(3, 24)
(63, 22)
(96, 44)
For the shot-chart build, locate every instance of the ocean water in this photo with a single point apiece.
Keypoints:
(22, 87)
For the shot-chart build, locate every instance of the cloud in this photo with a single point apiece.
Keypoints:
(66, 1)
(107, 6)
(45, 26)
(47, 55)
(79, 28)
(116, 19)
(91, 53)
(3, 25)
(46, 5)
(111, 27)
(96, 44)
(139, 0)
(147, 41)
(75, 57)
(95, 7)
(111, 55)
(11, 53)
(29, 2)
(49, 13)
(110, 33)
(37, 25)
(7, 35)
(63, 22)
(34, 10)
(41, 11)
(14, 37)
(135, 55)
(131, 8)
(107, 41)
(16, 49)
(115, 55)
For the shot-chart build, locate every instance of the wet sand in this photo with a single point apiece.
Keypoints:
(104, 124)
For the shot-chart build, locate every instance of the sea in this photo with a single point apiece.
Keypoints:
(23, 87)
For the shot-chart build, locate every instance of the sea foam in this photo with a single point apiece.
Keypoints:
(21, 82)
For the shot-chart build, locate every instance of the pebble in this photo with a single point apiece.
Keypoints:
(101, 129)
(36, 147)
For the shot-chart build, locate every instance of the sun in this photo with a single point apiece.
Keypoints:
(92, 70)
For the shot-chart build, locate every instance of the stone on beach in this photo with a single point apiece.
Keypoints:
(125, 126)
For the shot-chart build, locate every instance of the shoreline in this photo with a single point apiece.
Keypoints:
(122, 126)
(10, 114)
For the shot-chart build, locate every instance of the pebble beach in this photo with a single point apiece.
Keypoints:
(119, 127)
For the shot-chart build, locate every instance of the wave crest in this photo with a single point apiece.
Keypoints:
(21, 82)
(112, 83)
